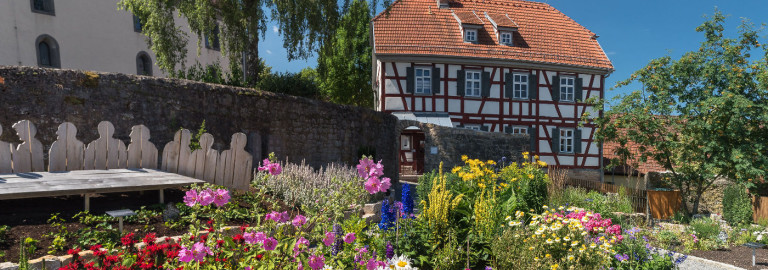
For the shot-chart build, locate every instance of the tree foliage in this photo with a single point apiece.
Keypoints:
(304, 25)
(702, 117)
(344, 62)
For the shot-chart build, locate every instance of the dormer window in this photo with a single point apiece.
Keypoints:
(470, 35)
(505, 38)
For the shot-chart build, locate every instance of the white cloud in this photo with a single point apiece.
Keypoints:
(269, 52)
(275, 29)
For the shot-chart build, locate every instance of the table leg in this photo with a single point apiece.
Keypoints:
(87, 202)
(121, 225)
(162, 196)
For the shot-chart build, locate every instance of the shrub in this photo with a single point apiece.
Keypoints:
(737, 206)
(580, 197)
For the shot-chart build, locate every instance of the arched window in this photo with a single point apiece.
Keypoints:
(143, 64)
(47, 52)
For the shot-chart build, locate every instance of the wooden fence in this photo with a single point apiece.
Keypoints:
(638, 197)
(232, 168)
(759, 208)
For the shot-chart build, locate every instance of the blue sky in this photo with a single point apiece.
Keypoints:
(631, 32)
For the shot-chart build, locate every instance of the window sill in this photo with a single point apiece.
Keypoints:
(423, 94)
(473, 97)
(44, 12)
(520, 99)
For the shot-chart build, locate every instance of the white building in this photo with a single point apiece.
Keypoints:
(83, 34)
(495, 65)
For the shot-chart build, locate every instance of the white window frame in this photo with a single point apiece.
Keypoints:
(519, 130)
(424, 80)
(566, 144)
(520, 86)
(473, 127)
(567, 88)
(467, 35)
(473, 83)
(503, 36)
(405, 142)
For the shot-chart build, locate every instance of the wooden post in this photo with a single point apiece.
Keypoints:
(87, 201)
(162, 197)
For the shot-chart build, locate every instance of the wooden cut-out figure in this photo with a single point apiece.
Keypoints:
(5, 155)
(176, 153)
(66, 153)
(28, 156)
(202, 162)
(105, 152)
(235, 165)
(141, 152)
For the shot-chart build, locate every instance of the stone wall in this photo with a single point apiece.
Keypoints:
(451, 143)
(294, 128)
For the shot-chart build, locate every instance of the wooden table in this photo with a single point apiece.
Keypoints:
(88, 183)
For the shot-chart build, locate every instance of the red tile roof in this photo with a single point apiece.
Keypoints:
(609, 152)
(545, 35)
(469, 17)
(502, 20)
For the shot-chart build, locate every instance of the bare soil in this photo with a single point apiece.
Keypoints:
(738, 256)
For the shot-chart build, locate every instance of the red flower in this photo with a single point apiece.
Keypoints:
(259, 256)
(150, 238)
(128, 240)
(238, 238)
(73, 251)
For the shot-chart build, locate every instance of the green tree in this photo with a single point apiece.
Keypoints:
(344, 62)
(702, 117)
(304, 25)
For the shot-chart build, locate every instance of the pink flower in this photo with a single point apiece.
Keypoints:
(299, 221)
(190, 199)
(316, 262)
(349, 238)
(329, 238)
(278, 217)
(205, 197)
(299, 246)
(221, 197)
(185, 255)
(364, 168)
(270, 243)
(372, 185)
(253, 238)
(385, 184)
(275, 169)
(265, 164)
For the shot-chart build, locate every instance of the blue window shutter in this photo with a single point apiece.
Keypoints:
(435, 81)
(578, 89)
(486, 91)
(555, 88)
(556, 140)
(577, 141)
(410, 82)
(508, 85)
(508, 129)
(533, 86)
(533, 132)
(460, 82)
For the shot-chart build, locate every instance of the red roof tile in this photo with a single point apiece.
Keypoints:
(609, 152)
(502, 20)
(469, 17)
(419, 27)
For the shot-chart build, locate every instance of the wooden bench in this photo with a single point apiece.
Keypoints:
(106, 165)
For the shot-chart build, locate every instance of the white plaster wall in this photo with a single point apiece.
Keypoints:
(491, 108)
(91, 34)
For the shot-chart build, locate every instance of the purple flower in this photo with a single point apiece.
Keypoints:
(299, 221)
(198, 253)
(206, 197)
(349, 238)
(316, 262)
(621, 257)
(390, 251)
(190, 199)
(328, 240)
(278, 216)
(337, 246)
(185, 255)
(270, 243)
(221, 197)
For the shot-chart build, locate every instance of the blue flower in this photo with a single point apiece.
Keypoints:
(407, 198)
(387, 216)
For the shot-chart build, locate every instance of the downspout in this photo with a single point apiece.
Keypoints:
(16, 33)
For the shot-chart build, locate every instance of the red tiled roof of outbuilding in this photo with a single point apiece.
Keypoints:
(545, 35)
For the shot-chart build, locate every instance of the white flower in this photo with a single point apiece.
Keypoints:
(401, 262)
(328, 267)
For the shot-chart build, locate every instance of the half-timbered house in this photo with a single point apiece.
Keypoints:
(492, 65)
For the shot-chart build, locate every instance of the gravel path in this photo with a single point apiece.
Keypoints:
(696, 263)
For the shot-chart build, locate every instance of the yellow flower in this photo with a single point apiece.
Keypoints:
(548, 256)
(530, 176)
(464, 157)
(555, 266)
(570, 257)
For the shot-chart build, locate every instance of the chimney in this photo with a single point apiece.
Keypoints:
(442, 3)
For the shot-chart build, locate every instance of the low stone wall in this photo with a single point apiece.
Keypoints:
(294, 128)
(449, 144)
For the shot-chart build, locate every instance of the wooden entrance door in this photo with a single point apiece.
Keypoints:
(412, 152)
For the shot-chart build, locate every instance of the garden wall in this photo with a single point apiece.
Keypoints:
(451, 143)
(294, 128)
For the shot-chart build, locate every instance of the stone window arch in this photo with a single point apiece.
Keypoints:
(143, 64)
(47, 52)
